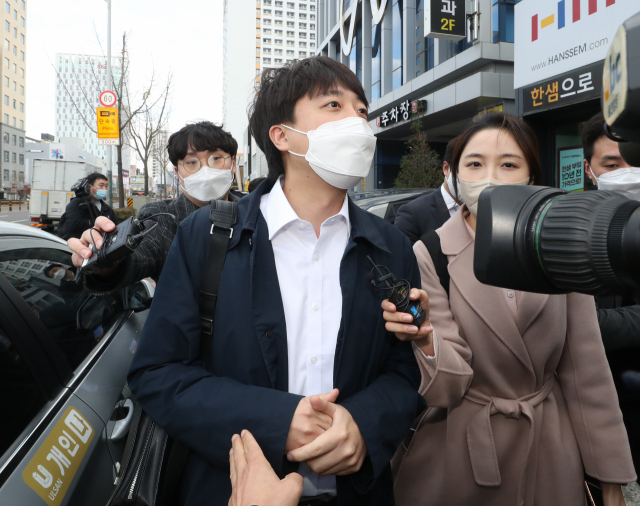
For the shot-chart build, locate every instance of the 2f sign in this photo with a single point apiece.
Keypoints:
(445, 19)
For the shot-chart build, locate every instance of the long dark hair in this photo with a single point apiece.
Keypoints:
(519, 130)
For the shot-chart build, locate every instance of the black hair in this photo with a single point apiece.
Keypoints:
(448, 154)
(47, 270)
(92, 178)
(254, 183)
(280, 90)
(521, 132)
(201, 136)
(593, 130)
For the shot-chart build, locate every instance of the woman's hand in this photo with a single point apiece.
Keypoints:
(612, 494)
(253, 480)
(400, 323)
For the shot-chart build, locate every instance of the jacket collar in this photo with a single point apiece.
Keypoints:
(363, 226)
(454, 235)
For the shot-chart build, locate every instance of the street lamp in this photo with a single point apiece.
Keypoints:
(108, 87)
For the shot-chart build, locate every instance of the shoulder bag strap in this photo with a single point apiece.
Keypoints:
(223, 217)
(432, 241)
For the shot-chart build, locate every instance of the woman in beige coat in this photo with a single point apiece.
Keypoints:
(520, 395)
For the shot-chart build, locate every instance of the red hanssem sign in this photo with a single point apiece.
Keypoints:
(108, 98)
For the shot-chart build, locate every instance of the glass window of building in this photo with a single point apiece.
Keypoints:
(14, 86)
(303, 35)
(266, 22)
(15, 50)
(502, 20)
(302, 7)
(266, 31)
(291, 34)
(21, 160)
(22, 55)
(13, 121)
(6, 138)
(278, 52)
(279, 32)
(303, 54)
(22, 38)
(267, 12)
(291, 5)
(15, 32)
(291, 24)
(267, 50)
(6, 174)
(302, 15)
(303, 26)
(278, 42)
(266, 41)
(267, 61)
(15, 140)
(7, 44)
(6, 82)
(15, 103)
(396, 65)
(278, 22)
(6, 154)
(21, 21)
(21, 144)
(355, 57)
(376, 61)
(6, 100)
(14, 158)
(22, 4)
(290, 52)
(21, 107)
(278, 14)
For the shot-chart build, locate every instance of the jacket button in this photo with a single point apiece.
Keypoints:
(269, 333)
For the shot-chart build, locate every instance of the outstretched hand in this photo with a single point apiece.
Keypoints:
(254, 481)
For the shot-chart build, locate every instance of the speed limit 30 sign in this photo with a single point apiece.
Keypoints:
(108, 98)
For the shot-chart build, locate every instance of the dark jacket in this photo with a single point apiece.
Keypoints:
(148, 258)
(78, 217)
(619, 321)
(427, 212)
(245, 383)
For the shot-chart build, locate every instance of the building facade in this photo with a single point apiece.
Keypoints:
(414, 73)
(13, 106)
(284, 31)
(560, 50)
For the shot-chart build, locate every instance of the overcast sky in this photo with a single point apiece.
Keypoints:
(182, 36)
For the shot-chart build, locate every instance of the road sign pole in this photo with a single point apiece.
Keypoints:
(108, 87)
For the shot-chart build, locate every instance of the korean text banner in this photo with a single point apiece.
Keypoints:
(556, 36)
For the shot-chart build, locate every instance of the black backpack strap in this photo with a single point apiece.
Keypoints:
(223, 217)
(432, 241)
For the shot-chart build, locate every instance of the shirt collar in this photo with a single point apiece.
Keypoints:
(279, 212)
(448, 199)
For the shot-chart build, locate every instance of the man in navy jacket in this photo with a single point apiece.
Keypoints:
(258, 375)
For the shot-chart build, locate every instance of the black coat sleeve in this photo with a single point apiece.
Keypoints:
(620, 327)
(408, 220)
(76, 219)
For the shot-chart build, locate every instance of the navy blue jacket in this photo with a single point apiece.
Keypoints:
(244, 384)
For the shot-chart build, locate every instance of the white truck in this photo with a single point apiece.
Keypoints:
(51, 189)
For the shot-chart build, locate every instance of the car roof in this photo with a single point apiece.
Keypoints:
(370, 201)
(14, 229)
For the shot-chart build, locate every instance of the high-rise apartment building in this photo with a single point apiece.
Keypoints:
(284, 31)
(80, 79)
(12, 130)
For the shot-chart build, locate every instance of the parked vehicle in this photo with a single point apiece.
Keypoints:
(64, 357)
(385, 203)
(51, 189)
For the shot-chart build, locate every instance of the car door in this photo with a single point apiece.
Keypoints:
(64, 356)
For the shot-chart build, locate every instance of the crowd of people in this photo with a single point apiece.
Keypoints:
(315, 391)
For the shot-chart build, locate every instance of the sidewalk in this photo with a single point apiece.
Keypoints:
(632, 494)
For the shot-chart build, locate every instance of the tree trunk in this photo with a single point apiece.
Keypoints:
(146, 178)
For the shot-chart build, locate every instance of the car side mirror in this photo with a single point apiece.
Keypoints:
(138, 296)
(93, 312)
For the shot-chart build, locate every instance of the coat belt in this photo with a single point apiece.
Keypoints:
(482, 450)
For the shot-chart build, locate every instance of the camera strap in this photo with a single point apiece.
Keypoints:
(440, 261)
(223, 216)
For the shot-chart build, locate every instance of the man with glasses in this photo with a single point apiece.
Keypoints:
(204, 159)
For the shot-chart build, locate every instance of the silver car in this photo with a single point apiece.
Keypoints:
(64, 357)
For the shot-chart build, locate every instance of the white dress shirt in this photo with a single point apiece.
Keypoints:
(308, 269)
(451, 204)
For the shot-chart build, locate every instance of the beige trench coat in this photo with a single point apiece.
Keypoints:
(519, 406)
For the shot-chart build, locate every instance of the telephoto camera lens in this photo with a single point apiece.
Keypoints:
(540, 239)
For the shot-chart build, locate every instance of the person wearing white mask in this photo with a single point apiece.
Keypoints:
(299, 355)
(204, 160)
(618, 315)
(431, 211)
(521, 399)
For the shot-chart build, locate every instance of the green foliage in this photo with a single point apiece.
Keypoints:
(421, 167)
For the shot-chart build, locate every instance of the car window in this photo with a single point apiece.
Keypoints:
(45, 278)
(20, 397)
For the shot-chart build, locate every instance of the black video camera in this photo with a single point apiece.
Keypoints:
(545, 240)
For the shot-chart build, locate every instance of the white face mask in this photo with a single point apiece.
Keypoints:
(59, 274)
(451, 189)
(471, 190)
(340, 152)
(208, 184)
(625, 181)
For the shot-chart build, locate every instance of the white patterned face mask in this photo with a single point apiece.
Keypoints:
(625, 182)
(471, 190)
(340, 152)
(208, 184)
